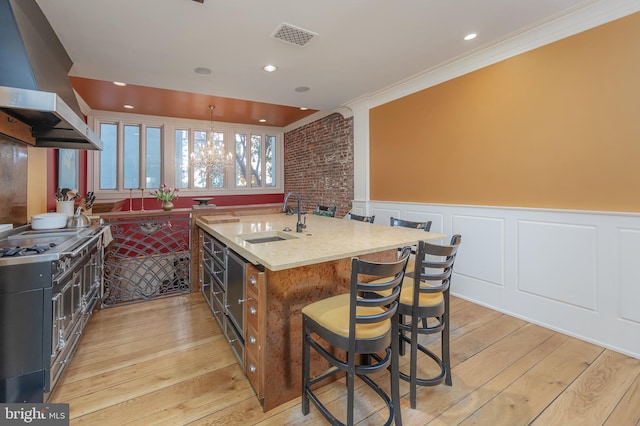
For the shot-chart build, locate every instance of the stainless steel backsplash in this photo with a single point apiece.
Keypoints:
(13, 181)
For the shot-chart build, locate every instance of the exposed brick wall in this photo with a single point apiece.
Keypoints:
(318, 162)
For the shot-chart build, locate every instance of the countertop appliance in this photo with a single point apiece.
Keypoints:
(50, 281)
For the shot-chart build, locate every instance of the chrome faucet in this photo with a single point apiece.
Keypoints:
(299, 225)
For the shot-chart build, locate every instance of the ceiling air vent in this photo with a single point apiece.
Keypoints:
(293, 35)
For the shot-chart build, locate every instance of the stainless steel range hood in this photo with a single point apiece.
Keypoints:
(34, 82)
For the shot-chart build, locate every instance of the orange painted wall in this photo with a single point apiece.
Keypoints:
(556, 127)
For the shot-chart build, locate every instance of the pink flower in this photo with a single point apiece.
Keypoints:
(165, 193)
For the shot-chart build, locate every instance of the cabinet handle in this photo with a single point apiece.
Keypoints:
(241, 301)
(252, 340)
(253, 281)
(253, 310)
(252, 368)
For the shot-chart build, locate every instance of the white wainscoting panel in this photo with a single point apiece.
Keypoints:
(574, 272)
(558, 261)
(483, 236)
(629, 274)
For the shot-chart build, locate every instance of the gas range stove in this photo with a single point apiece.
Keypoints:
(26, 245)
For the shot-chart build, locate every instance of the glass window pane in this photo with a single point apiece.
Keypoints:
(199, 144)
(217, 179)
(241, 160)
(153, 157)
(270, 160)
(182, 159)
(256, 160)
(131, 157)
(108, 156)
(68, 168)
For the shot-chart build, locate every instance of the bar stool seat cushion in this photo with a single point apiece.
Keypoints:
(406, 294)
(332, 313)
(424, 299)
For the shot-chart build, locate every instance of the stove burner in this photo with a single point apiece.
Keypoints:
(25, 251)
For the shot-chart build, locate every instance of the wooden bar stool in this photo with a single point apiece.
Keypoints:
(424, 298)
(361, 322)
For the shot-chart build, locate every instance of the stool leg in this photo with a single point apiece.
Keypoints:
(351, 384)
(413, 361)
(401, 348)
(445, 341)
(395, 374)
(305, 371)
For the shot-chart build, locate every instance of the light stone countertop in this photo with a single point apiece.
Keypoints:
(324, 239)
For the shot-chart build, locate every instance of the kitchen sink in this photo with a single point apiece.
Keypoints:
(264, 240)
(266, 237)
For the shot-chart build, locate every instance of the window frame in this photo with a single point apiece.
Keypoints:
(169, 126)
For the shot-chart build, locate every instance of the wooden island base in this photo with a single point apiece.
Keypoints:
(288, 291)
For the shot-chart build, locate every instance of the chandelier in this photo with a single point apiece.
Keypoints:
(211, 158)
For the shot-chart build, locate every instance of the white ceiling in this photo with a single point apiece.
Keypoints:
(362, 46)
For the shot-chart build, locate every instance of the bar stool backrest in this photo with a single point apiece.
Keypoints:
(410, 224)
(369, 219)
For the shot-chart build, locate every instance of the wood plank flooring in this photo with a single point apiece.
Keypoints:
(166, 362)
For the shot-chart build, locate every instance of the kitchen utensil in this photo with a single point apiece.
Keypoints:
(89, 200)
(49, 221)
(78, 220)
(72, 194)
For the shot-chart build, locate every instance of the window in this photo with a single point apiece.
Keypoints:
(108, 156)
(182, 159)
(200, 179)
(146, 155)
(132, 157)
(250, 168)
(68, 166)
(133, 168)
(153, 160)
(270, 161)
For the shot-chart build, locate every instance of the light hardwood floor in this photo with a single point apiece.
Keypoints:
(167, 362)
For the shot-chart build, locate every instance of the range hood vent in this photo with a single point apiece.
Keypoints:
(34, 81)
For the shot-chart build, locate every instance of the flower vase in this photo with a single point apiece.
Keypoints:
(167, 205)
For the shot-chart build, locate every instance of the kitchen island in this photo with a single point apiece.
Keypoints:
(287, 270)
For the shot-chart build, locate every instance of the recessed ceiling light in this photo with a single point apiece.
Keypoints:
(202, 71)
(119, 83)
(470, 36)
(303, 108)
(301, 89)
(262, 120)
(128, 106)
(269, 68)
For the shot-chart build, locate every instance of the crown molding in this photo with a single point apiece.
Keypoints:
(588, 15)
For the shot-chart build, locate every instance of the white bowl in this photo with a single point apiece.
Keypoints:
(49, 221)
